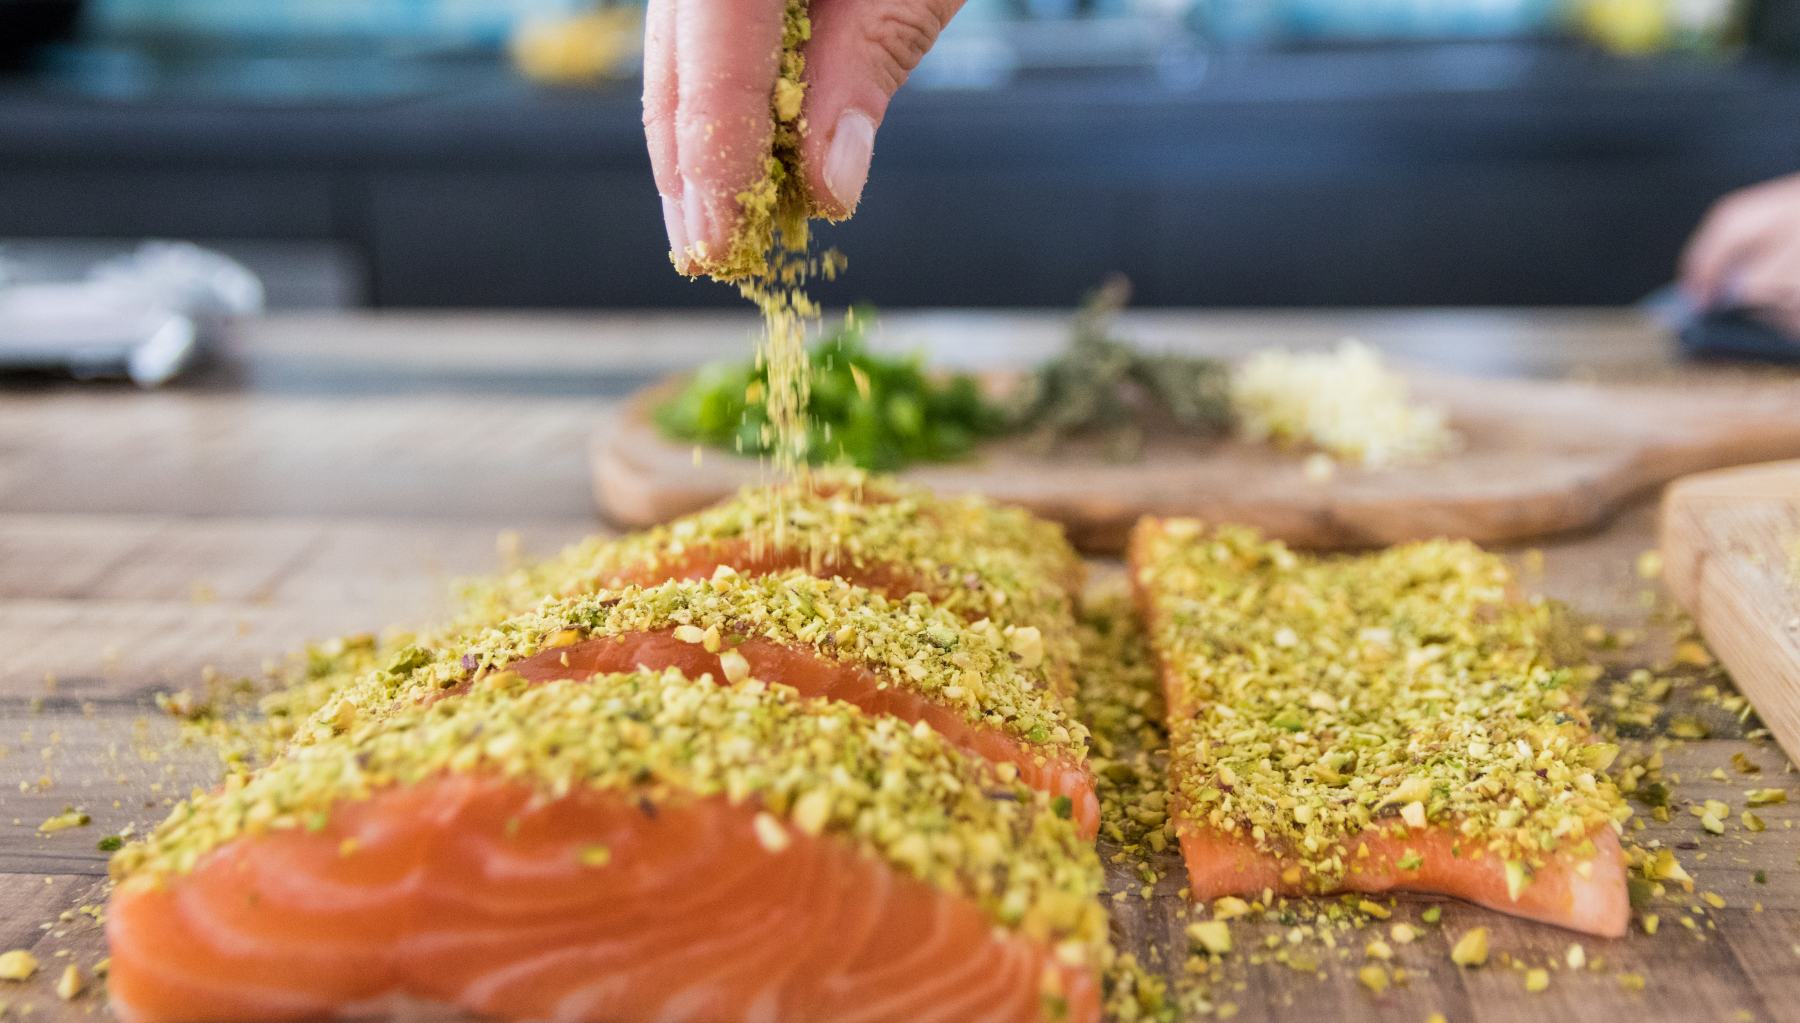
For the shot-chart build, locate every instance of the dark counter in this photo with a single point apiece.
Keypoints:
(1407, 176)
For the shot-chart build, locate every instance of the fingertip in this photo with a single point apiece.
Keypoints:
(675, 225)
(843, 169)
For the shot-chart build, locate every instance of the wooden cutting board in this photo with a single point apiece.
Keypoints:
(1539, 457)
(1731, 556)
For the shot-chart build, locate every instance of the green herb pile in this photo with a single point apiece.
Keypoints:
(868, 410)
(1102, 386)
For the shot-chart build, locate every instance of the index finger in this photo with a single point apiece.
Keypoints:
(727, 57)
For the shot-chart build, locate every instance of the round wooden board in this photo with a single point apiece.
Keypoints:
(1538, 457)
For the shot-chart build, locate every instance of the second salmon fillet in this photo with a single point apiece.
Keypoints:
(1378, 722)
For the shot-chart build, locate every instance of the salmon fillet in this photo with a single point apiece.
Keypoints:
(638, 847)
(1375, 723)
(973, 558)
(1060, 775)
(974, 683)
(977, 560)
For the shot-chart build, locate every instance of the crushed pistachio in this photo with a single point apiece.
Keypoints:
(69, 984)
(1443, 704)
(973, 558)
(1537, 979)
(1212, 935)
(1229, 907)
(69, 818)
(951, 822)
(1374, 977)
(17, 964)
(976, 678)
(1471, 949)
(1121, 703)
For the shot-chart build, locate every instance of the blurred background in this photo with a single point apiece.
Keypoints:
(488, 153)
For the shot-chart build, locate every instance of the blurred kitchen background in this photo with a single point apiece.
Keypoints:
(488, 153)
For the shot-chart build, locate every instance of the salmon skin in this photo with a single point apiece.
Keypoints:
(1375, 723)
(975, 683)
(631, 848)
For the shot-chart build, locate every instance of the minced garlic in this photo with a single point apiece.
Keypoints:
(1345, 402)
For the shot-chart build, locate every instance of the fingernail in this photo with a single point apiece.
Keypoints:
(847, 161)
(694, 220)
(677, 231)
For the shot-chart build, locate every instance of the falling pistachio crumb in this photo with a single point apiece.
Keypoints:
(1537, 979)
(1374, 977)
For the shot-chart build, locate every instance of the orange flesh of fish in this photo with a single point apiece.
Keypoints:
(1588, 896)
(1059, 774)
(481, 894)
(1223, 864)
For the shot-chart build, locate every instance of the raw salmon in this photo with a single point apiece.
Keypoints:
(634, 848)
(1561, 891)
(1374, 723)
(975, 683)
(1057, 774)
(973, 558)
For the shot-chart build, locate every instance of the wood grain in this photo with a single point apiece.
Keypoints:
(1539, 457)
(144, 536)
(1732, 544)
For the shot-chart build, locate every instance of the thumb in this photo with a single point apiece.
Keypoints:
(861, 52)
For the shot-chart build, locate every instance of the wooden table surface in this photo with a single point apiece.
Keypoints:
(332, 474)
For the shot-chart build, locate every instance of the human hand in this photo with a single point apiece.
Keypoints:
(710, 68)
(1746, 253)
